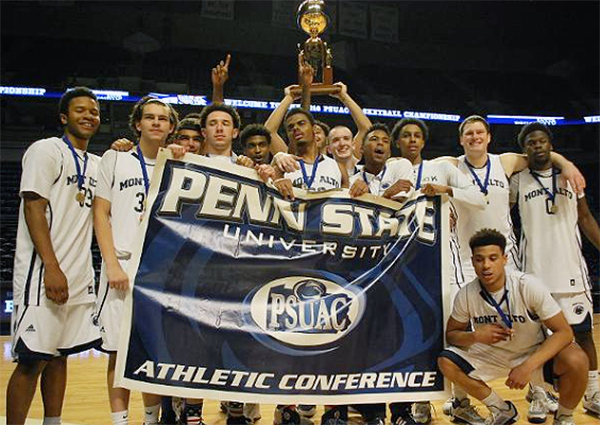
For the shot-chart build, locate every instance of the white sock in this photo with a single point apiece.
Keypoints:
(563, 411)
(494, 400)
(120, 418)
(151, 414)
(592, 386)
(52, 420)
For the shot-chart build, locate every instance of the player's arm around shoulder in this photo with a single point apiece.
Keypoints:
(449, 159)
(462, 188)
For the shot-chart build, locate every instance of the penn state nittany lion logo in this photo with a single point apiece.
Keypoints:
(578, 309)
(306, 311)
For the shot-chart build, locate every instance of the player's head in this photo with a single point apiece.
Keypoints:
(377, 146)
(153, 120)
(321, 132)
(474, 134)
(220, 127)
(339, 142)
(256, 142)
(299, 126)
(189, 134)
(79, 112)
(536, 141)
(488, 257)
(410, 135)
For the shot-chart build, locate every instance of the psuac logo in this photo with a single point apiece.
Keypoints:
(306, 311)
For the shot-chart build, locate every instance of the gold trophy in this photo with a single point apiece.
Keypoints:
(313, 20)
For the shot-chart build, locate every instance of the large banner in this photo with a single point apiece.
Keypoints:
(241, 295)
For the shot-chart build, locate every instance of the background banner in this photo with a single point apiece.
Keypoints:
(240, 295)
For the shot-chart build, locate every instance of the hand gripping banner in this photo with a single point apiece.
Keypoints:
(241, 295)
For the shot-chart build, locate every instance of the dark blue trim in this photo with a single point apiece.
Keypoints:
(585, 326)
(24, 354)
(464, 365)
(79, 348)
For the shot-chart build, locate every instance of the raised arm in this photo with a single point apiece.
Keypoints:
(219, 76)
(363, 123)
(307, 75)
(515, 162)
(274, 121)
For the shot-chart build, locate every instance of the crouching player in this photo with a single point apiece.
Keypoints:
(507, 312)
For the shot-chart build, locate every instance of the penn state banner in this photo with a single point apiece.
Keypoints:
(241, 295)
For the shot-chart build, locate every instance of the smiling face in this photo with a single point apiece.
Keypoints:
(154, 126)
(377, 148)
(299, 129)
(489, 262)
(219, 133)
(475, 138)
(83, 118)
(340, 143)
(537, 146)
(411, 142)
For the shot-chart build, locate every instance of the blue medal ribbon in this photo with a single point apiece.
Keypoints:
(80, 175)
(419, 176)
(143, 167)
(309, 181)
(551, 195)
(482, 186)
(488, 297)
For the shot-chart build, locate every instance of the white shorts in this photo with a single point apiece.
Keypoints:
(43, 332)
(489, 366)
(109, 308)
(577, 308)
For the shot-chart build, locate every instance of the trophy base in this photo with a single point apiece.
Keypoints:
(318, 89)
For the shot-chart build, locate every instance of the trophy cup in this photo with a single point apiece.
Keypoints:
(313, 20)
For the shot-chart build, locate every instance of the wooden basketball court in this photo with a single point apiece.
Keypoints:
(86, 401)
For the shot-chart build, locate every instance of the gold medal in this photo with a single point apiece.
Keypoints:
(80, 197)
(554, 209)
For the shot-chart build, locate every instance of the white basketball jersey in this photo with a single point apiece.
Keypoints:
(495, 214)
(550, 245)
(528, 304)
(327, 175)
(394, 170)
(121, 182)
(49, 170)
